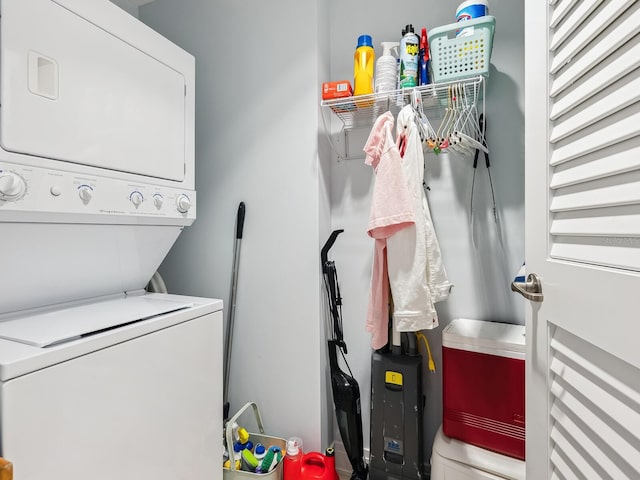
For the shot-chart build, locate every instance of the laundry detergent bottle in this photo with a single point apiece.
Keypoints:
(293, 459)
(315, 466)
(363, 64)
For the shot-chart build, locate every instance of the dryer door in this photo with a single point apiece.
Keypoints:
(76, 87)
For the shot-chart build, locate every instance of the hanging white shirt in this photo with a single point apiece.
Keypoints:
(417, 275)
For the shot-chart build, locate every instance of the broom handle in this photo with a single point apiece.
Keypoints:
(232, 302)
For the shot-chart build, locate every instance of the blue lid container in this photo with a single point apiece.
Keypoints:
(365, 41)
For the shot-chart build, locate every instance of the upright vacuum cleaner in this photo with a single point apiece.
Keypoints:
(346, 393)
(397, 410)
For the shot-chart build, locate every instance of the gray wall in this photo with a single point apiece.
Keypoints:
(257, 74)
(260, 139)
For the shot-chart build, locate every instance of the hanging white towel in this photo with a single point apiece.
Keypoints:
(417, 275)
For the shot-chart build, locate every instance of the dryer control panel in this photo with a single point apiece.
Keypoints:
(36, 194)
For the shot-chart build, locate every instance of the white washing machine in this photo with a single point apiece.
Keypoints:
(121, 387)
(452, 459)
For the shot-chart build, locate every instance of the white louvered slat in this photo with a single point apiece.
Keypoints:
(616, 159)
(616, 129)
(616, 409)
(572, 23)
(579, 354)
(617, 222)
(580, 467)
(595, 143)
(605, 106)
(622, 252)
(624, 62)
(595, 405)
(609, 41)
(584, 436)
(562, 9)
(579, 40)
(561, 469)
(604, 192)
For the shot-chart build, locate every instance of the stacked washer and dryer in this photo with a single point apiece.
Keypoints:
(99, 379)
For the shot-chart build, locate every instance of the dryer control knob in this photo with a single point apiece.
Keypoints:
(12, 186)
(85, 194)
(183, 203)
(136, 199)
(158, 200)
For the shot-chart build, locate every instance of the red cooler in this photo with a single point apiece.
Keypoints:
(483, 384)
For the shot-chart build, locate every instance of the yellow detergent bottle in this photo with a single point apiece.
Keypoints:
(363, 64)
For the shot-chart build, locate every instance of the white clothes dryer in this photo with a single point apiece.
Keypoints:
(120, 387)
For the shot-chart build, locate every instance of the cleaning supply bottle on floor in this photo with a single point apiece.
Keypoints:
(237, 457)
(259, 452)
(271, 460)
(409, 50)
(293, 459)
(386, 77)
(363, 63)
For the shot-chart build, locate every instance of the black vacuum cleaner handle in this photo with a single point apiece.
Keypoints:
(327, 246)
(240, 220)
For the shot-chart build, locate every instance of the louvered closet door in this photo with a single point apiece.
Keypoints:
(582, 144)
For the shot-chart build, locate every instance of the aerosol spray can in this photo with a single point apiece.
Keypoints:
(409, 53)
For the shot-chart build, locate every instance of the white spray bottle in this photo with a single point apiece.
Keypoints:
(386, 76)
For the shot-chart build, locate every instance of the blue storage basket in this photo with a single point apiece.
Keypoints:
(468, 55)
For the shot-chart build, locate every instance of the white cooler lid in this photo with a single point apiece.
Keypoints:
(494, 338)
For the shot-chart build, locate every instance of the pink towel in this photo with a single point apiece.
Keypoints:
(391, 211)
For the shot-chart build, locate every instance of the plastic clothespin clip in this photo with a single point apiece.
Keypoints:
(416, 100)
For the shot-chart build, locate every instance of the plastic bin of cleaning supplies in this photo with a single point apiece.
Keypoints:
(270, 443)
(456, 57)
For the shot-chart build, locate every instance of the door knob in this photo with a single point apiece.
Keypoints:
(531, 289)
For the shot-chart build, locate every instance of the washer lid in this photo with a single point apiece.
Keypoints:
(59, 326)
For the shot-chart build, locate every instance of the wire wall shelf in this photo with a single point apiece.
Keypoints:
(361, 111)
(357, 113)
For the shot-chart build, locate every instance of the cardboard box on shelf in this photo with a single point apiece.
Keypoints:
(338, 89)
